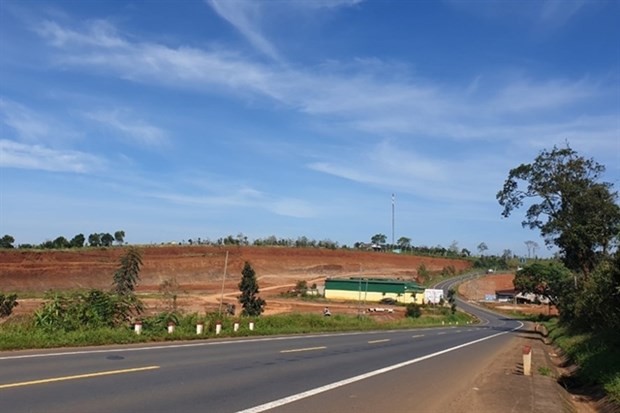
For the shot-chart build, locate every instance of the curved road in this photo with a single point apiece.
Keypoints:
(404, 370)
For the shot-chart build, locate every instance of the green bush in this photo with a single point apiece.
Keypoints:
(413, 310)
(7, 304)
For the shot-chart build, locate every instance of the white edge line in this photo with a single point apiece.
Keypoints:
(313, 392)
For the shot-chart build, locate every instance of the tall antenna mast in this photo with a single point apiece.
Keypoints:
(393, 201)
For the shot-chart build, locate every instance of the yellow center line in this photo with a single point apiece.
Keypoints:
(378, 341)
(79, 376)
(303, 349)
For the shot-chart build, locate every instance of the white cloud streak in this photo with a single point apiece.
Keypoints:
(359, 97)
(136, 129)
(25, 156)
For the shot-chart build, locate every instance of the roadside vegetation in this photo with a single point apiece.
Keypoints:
(98, 317)
(579, 214)
(23, 333)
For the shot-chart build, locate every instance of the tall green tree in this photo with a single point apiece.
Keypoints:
(119, 237)
(106, 239)
(7, 241)
(404, 243)
(124, 281)
(250, 302)
(568, 204)
(77, 241)
(548, 279)
(94, 240)
(378, 239)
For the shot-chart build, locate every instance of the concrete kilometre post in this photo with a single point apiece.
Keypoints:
(527, 360)
(138, 327)
(200, 327)
(218, 327)
(236, 326)
(170, 327)
(251, 325)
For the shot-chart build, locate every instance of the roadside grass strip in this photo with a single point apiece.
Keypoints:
(76, 377)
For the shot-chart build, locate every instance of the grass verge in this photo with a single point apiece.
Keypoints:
(597, 356)
(20, 333)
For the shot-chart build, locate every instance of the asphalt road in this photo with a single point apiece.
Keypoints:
(405, 370)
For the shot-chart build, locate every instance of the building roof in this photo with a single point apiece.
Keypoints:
(372, 284)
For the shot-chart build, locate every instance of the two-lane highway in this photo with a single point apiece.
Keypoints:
(316, 372)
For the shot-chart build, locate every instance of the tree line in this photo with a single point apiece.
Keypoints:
(101, 239)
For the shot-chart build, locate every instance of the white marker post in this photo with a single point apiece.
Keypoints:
(170, 327)
(236, 326)
(218, 327)
(251, 325)
(138, 327)
(200, 327)
(527, 360)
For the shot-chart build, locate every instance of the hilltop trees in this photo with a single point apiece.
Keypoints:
(251, 303)
(119, 237)
(7, 241)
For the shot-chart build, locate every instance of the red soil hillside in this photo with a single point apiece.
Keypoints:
(200, 268)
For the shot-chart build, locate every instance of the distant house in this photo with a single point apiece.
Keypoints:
(504, 296)
(373, 290)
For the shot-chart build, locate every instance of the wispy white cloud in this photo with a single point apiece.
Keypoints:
(242, 197)
(26, 124)
(359, 97)
(25, 156)
(250, 17)
(134, 128)
(245, 17)
(544, 14)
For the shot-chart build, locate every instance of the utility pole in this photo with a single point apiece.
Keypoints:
(223, 281)
(393, 201)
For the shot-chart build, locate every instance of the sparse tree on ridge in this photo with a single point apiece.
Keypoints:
(532, 246)
(482, 247)
(77, 241)
(119, 237)
(94, 240)
(107, 239)
(404, 243)
(7, 241)
(379, 239)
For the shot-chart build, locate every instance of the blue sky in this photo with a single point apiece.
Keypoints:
(186, 119)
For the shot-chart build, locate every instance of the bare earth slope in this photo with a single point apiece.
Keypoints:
(199, 271)
(198, 267)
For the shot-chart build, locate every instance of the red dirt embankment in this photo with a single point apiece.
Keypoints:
(201, 268)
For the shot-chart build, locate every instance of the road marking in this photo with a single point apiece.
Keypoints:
(79, 376)
(378, 341)
(335, 385)
(296, 350)
(190, 345)
(443, 332)
(419, 335)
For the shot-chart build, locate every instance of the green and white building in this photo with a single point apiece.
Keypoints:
(373, 290)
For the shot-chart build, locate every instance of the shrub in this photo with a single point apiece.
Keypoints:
(413, 310)
(7, 304)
